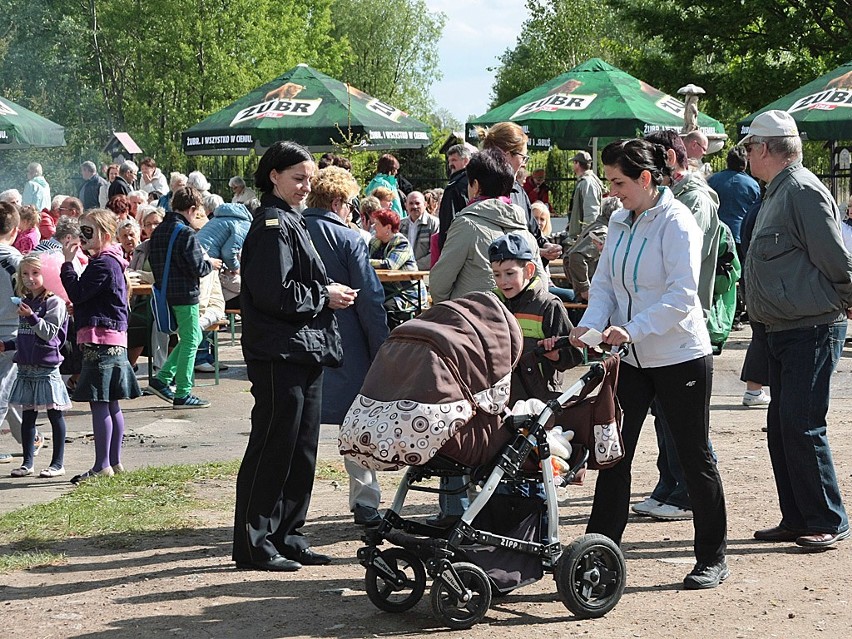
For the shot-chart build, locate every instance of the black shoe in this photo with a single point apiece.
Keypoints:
(442, 521)
(278, 563)
(706, 575)
(308, 557)
(161, 390)
(366, 516)
(190, 401)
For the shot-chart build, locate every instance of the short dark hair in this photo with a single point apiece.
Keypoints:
(387, 216)
(632, 157)
(388, 164)
(185, 198)
(280, 156)
(491, 169)
(737, 158)
(9, 217)
(120, 205)
(670, 140)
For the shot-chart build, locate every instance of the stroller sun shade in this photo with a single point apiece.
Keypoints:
(440, 379)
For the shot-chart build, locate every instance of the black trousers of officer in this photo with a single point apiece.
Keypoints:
(277, 472)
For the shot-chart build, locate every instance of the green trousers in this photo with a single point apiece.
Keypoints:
(180, 366)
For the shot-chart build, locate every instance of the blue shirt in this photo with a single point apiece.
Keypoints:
(737, 191)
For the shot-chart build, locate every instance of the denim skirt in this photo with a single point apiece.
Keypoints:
(106, 375)
(39, 388)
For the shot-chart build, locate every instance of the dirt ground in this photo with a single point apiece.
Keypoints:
(185, 585)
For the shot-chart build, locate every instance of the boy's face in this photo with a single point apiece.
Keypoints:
(512, 276)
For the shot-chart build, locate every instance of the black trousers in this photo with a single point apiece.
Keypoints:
(683, 392)
(277, 472)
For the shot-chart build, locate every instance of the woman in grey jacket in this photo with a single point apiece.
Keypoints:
(644, 294)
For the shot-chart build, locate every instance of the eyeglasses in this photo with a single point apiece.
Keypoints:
(525, 158)
(750, 145)
(87, 232)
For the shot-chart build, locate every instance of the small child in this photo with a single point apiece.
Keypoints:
(542, 318)
(188, 265)
(41, 332)
(541, 315)
(28, 233)
(99, 296)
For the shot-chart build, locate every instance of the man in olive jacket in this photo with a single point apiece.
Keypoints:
(800, 287)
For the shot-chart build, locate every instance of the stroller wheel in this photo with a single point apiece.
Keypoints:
(453, 611)
(591, 575)
(397, 596)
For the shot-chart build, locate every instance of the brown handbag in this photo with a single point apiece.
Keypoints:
(596, 420)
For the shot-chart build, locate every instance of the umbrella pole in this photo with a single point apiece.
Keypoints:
(595, 156)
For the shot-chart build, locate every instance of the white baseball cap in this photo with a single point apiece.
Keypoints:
(772, 124)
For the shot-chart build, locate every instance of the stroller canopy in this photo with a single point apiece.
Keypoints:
(440, 374)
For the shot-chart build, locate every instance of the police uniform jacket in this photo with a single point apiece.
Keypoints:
(284, 297)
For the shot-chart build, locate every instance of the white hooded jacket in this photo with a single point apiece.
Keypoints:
(647, 282)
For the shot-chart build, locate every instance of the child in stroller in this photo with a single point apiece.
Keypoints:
(452, 423)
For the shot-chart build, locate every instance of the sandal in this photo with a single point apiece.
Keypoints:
(52, 471)
(23, 471)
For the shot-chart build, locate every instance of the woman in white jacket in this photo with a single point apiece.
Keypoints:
(644, 294)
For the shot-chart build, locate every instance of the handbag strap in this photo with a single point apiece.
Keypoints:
(169, 257)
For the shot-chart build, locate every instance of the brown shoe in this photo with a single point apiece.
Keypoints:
(777, 533)
(821, 540)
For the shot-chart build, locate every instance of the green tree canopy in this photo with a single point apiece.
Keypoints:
(559, 35)
(394, 49)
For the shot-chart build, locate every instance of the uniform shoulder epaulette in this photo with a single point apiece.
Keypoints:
(270, 217)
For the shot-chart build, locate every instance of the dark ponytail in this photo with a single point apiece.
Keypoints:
(632, 157)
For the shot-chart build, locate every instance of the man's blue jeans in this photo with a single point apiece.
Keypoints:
(801, 362)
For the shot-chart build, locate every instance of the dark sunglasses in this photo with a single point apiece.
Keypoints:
(87, 232)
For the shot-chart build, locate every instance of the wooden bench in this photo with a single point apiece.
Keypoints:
(231, 314)
(213, 329)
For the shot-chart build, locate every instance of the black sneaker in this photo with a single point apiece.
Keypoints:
(706, 575)
(161, 390)
(190, 401)
(366, 516)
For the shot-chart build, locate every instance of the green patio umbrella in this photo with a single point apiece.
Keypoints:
(592, 100)
(20, 128)
(310, 108)
(822, 108)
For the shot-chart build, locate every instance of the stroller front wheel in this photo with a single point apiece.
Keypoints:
(402, 592)
(455, 612)
(591, 575)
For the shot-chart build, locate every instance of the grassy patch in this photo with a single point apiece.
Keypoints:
(112, 511)
(116, 511)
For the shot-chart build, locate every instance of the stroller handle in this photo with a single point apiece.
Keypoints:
(564, 342)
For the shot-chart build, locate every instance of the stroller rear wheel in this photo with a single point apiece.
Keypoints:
(403, 593)
(454, 611)
(591, 575)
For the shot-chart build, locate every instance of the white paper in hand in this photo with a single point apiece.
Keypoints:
(591, 337)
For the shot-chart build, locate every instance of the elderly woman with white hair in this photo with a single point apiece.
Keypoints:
(12, 196)
(242, 193)
(197, 181)
(176, 181)
(211, 202)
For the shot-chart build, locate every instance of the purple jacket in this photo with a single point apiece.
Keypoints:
(99, 294)
(42, 334)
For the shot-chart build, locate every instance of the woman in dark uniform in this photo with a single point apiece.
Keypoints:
(289, 334)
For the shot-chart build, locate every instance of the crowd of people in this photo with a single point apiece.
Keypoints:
(652, 261)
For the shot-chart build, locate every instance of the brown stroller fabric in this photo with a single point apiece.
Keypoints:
(596, 420)
(440, 381)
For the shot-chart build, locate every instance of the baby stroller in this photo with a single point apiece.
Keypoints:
(434, 400)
